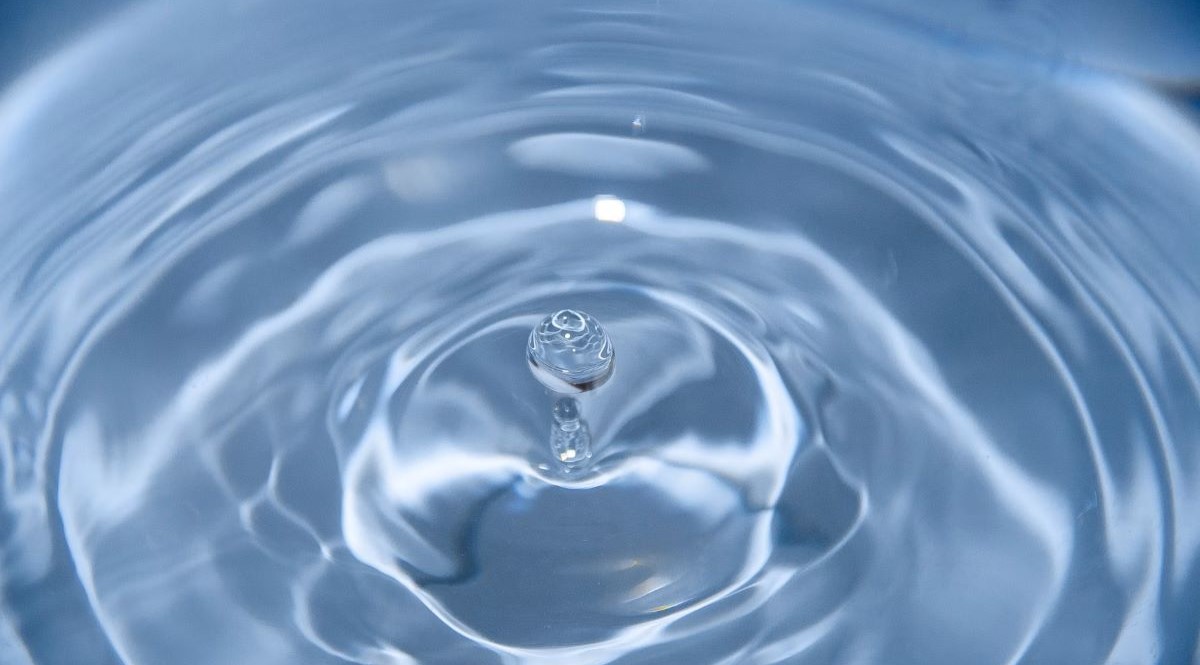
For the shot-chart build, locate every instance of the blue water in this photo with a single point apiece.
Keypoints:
(905, 305)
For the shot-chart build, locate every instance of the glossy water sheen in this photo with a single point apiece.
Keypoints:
(907, 314)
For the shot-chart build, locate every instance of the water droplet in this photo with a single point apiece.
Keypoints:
(569, 352)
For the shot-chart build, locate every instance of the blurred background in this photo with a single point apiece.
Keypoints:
(1156, 40)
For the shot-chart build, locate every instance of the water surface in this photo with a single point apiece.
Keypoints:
(906, 310)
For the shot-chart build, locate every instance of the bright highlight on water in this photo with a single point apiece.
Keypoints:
(608, 209)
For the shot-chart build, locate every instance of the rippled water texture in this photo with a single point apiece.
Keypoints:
(905, 326)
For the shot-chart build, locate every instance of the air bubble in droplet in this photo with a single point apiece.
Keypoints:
(569, 352)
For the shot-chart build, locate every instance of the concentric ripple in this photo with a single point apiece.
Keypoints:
(908, 360)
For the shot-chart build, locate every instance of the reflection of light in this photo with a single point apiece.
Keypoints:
(609, 209)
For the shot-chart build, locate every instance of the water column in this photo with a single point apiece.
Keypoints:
(570, 353)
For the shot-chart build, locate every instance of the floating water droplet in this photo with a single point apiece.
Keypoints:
(569, 352)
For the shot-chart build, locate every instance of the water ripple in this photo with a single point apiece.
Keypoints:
(907, 364)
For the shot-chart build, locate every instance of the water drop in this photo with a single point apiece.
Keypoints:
(569, 352)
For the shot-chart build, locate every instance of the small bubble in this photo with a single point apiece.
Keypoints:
(569, 352)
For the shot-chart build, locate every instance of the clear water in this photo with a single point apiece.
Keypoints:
(570, 352)
(907, 311)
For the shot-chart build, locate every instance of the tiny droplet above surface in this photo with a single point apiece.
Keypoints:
(569, 352)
